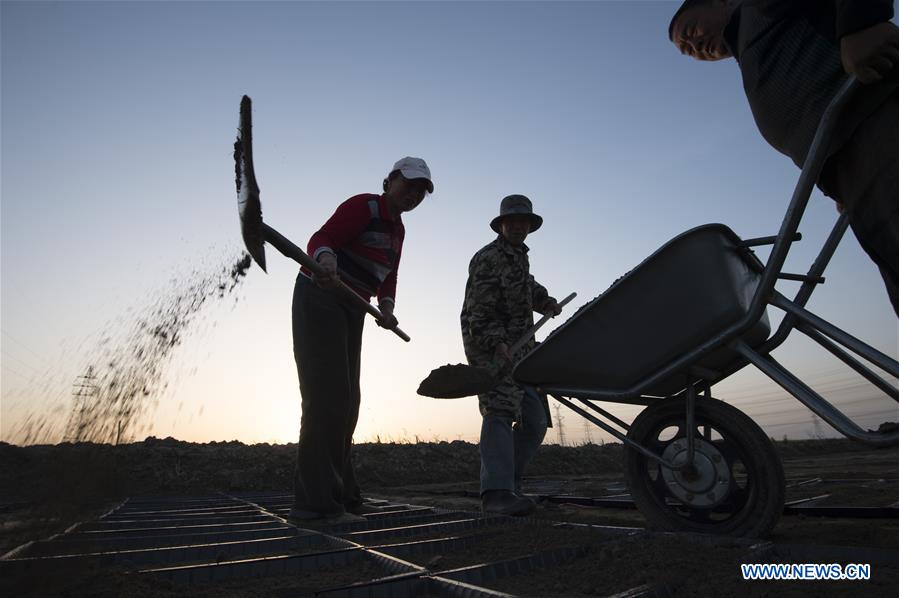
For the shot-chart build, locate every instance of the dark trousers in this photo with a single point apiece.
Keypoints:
(327, 345)
(864, 176)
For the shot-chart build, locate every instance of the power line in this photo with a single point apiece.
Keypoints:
(796, 405)
(806, 421)
(18, 359)
(774, 396)
(17, 373)
(24, 346)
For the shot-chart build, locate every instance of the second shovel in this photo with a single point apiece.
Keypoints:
(460, 380)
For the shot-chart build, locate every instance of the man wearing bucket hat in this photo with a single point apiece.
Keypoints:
(500, 299)
(360, 244)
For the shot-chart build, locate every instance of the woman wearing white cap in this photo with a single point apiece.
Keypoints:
(361, 245)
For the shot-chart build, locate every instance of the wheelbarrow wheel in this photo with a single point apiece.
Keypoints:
(736, 486)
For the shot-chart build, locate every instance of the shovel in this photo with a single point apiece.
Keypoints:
(460, 380)
(255, 232)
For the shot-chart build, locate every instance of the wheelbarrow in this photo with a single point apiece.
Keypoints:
(690, 315)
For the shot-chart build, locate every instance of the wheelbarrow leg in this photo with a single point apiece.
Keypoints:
(691, 424)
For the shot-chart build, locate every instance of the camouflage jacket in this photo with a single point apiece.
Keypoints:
(500, 299)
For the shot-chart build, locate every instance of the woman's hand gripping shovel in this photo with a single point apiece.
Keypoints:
(460, 380)
(255, 232)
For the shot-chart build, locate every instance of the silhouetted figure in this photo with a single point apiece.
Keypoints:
(794, 55)
(500, 299)
(364, 239)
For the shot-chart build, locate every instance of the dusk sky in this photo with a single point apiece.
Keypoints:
(118, 121)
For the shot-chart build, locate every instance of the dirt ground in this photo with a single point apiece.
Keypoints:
(685, 566)
(45, 489)
(847, 476)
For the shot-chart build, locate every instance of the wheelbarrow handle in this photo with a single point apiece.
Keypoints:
(289, 249)
(533, 329)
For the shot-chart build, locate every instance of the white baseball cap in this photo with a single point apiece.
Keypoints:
(414, 168)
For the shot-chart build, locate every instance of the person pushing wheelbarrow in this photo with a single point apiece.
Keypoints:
(793, 56)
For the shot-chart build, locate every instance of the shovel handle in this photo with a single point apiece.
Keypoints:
(289, 249)
(533, 329)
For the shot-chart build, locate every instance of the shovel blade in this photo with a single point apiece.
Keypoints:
(457, 381)
(249, 207)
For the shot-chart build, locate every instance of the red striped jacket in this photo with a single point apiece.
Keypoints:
(368, 242)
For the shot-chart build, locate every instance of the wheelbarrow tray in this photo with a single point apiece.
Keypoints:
(681, 296)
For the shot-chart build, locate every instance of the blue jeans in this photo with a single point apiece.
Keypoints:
(507, 450)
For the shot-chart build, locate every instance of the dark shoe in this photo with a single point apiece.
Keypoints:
(361, 509)
(529, 499)
(345, 518)
(505, 502)
(302, 518)
(298, 515)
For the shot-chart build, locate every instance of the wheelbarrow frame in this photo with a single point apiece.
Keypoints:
(833, 339)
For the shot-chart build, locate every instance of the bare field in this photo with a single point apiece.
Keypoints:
(836, 472)
(46, 489)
